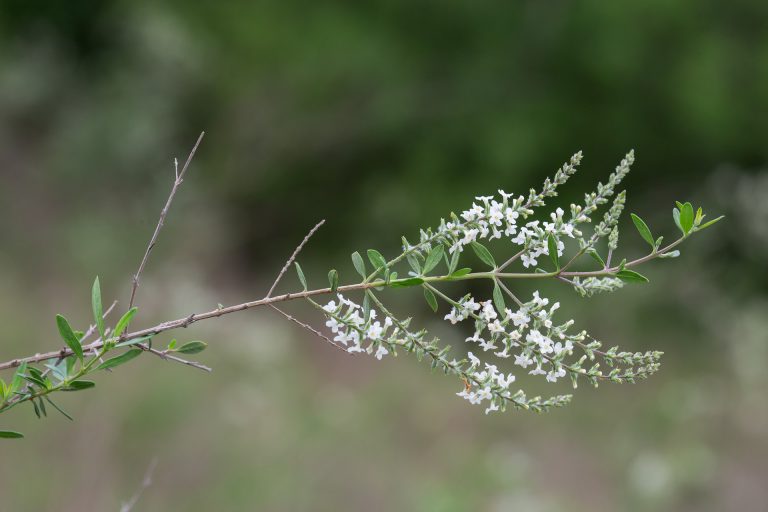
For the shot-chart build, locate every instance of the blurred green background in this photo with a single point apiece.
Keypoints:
(381, 117)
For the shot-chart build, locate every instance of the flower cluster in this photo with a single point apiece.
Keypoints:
(509, 342)
(358, 329)
(495, 217)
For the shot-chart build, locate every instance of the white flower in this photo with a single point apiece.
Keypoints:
(528, 260)
(538, 300)
(381, 352)
(520, 318)
(523, 360)
(334, 325)
(473, 359)
(495, 327)
(454, 316)
(375, 331)
(554, 375)
(487, 345)
(330, 307)
(491, 407)
(488, 314)
(495, 215)
(485, 393)
(470, 305)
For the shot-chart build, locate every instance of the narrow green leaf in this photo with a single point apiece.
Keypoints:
(300, 273)
(333, 279)
(98, 310)
(597, 257)
(376, 259)
(552, 249)
(121, 359)
(707, 224)
(37, 381)
(431, 299)
(404, 283)
(192, 347)
(460, 273)
(69, 336)
(498, 298)
(79, 385)
(631, 276)
(642, 228)
(62, 411)
(122, 324)
(454, 262)
(686, 217)
(413, 261)
(483, 253)
(18, 377)
(433, 258)
(359, 264)
(676, 218)
(10, 434)
(366, 306)
(135, 341)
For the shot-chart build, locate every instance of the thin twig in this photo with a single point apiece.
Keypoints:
(266, 301)
(145, 483)
(162, 354)
(309, 328)
(509, 292)
(179, 179)
(293, 256)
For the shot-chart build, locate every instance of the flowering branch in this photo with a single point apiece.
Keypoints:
(527, 335)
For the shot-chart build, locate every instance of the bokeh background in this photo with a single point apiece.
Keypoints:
(381, 117)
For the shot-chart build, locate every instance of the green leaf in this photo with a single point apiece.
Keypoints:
(676, 218)
(431, 299)
(36, 408)
(498, 298)
(483, 254)
(597, 257)
(10, 434)
(18, 377)
(376, 259)
(631, 276)
(333, 279)
(359, 264)
(552, 249)
(69, 336)
(98, 310)
(79, 385)
(122, 324)
(192, 347)
(642, 227)
(300, 273)
(404, 283)
(121, 359)
(413, 261)
(686, 217)
(135, 341)
(454, 262)
(366, 306)
(460, 273)
(62, 411)
(707, 224)
(433, 258)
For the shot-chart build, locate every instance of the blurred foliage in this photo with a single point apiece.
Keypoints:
(379, 116)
